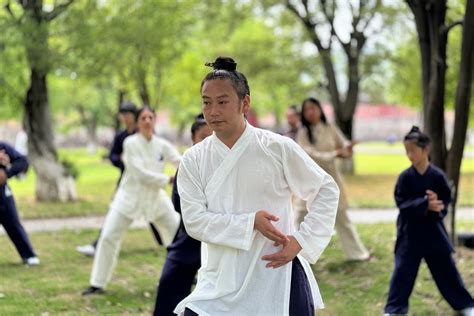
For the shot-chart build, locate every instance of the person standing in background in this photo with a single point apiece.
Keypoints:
(13, 163)
(127, 114)
(140, 194)
(293, 120)
(324, 143)
(184, 254)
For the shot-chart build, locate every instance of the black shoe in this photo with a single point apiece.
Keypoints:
(92, 290)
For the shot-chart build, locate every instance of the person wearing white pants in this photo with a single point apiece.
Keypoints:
(140, 195)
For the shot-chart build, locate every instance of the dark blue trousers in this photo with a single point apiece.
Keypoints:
(301, 299)
(444, 272)
(175, 284)
(11, 223)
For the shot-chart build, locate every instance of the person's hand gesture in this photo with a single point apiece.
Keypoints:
(263, 223)
(285, 255)
(434, 204)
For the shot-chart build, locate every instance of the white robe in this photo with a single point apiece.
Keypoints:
(140, 193)
(221, 190)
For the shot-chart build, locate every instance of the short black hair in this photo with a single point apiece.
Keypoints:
(128, 107)
(416, 136)
(225, 68)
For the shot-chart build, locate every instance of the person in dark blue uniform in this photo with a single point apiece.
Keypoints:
(127, 114)
(13, 163)
(422, 195)
(184, 254)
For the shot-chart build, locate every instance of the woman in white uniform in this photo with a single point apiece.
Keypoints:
(140, 194)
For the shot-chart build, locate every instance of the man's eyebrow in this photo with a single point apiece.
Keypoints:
(218, 97)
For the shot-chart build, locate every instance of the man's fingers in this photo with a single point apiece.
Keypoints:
(276, 264)
(272, 217)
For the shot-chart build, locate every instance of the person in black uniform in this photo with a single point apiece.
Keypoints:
(184, 254)
(422, 195)
(127, 114)
(13, 163)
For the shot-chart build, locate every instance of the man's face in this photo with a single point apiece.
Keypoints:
(221, 106)
(202, 132)
(128, 118)
(292, 118)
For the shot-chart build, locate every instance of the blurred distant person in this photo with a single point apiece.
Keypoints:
(21, 142)
(21, 145)
(140, 194)
(293, 120)
(127, 113)
(184, 254)
(13, 163)
(324, 143)
(422, 195)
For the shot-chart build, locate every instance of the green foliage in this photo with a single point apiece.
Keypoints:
(70, 169)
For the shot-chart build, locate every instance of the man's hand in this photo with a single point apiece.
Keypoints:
(263, 223)
(282, 257)
(3, 177)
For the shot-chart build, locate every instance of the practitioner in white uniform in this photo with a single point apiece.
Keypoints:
(235, 188)
(140, 194)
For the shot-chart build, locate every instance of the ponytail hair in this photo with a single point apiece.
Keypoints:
(416, 136)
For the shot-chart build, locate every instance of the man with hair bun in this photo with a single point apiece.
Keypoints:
(236, 188)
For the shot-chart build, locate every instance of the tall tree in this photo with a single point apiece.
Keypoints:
(319, 20)
(33, 23)
(432, 28)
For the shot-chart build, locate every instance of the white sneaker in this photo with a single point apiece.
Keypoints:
(87, 250)
(32, 261)
(468, 311)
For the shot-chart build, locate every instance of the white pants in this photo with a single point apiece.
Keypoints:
(110, 239)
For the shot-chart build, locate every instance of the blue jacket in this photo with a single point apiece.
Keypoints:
(420, 230)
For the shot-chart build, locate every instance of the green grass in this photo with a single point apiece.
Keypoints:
(54, 287)
(95, 187)
(371, 186)
(376, 191)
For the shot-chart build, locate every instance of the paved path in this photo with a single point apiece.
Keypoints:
(368, 216)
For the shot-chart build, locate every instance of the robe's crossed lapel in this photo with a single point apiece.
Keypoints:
(220, 175)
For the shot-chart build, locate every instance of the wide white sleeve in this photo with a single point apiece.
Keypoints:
(231, 230)
(134, 164)
(171, 154)
(321, 193)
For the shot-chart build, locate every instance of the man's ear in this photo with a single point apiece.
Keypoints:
(246, 104)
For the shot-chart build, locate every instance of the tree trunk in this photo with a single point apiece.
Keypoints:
(433, 34)
(121, 99)
(51, 183)
(462, 106)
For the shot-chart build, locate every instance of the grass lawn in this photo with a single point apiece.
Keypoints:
(54, 287)
(371, 186)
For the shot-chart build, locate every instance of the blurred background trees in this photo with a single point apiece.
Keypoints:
(65, 64)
